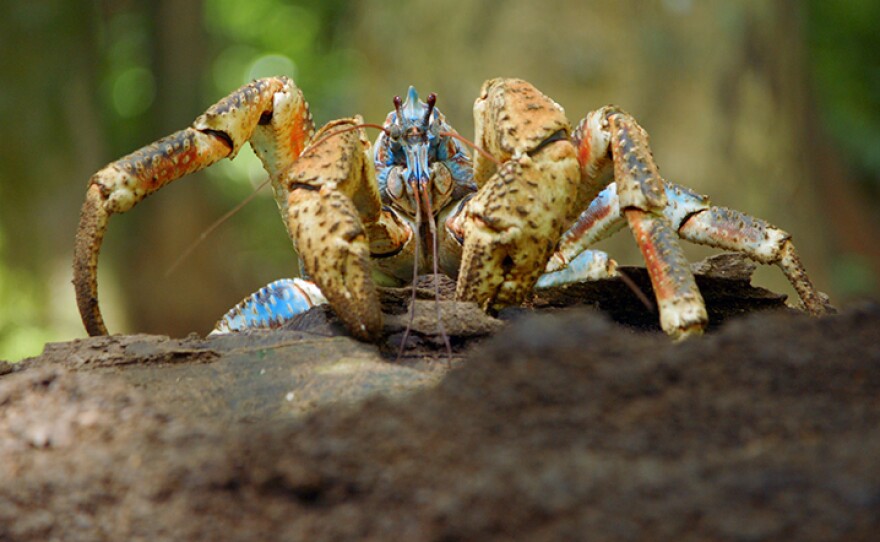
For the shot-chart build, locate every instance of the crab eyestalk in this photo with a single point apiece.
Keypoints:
(397, 103)
(431, 101)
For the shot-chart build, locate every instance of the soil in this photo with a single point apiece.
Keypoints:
(551, 422)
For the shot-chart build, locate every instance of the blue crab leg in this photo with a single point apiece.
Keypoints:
(571, 261)
(270, 112)
(271, 306)
(602, 219)
(586, 266)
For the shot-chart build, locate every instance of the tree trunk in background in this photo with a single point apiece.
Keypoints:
(50, 134)
(165, 226)
(720, 86)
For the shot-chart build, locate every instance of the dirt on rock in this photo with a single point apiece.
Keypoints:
(563, 425)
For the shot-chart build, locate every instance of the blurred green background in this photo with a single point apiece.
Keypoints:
(769, 106)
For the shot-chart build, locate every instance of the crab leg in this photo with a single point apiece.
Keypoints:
(116, 188)
(271, 306)
(732, 230)
(682, 310)
(688, 212)
(571, 261)
(270, 112)
(610, 140)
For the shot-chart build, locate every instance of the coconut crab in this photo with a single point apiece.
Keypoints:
(520, 215)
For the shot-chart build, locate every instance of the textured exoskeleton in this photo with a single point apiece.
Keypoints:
(521, 215)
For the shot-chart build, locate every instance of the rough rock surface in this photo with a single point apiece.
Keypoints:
(563, 425)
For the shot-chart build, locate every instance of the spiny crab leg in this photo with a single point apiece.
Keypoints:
(611, 145)
(682, 309)
(116, 188)
(729, 229)
(271, 113)
(643, 200)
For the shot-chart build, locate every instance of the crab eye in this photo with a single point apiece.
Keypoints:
(432, 101)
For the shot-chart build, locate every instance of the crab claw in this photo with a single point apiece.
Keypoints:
(331, 187)
(512, 226)
(333, 246)
(513, 223)
(270, 112)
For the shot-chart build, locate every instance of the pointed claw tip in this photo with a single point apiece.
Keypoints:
(685, 333)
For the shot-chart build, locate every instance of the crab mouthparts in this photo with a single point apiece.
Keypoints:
(419, 176)
(420, 194)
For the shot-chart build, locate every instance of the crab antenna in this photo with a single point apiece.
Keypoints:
(229, 214)
(412, 303)
(432, 225)
(210, 229)
(431, 101)
(472, 145)
(342, 131)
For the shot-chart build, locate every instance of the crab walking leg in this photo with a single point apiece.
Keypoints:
(571, 261)
(682, 310)
(612, 146)
(587, 266)
(511, 226)
(644, 201)
(118, 187)
(270, 112)
(271, 306)
(732, 230)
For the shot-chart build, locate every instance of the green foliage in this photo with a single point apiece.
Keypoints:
(21, 330)
(844, 45)
(302, 40)
(79, 82)
(128, 85)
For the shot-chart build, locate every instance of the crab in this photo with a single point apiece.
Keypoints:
(519, 215)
